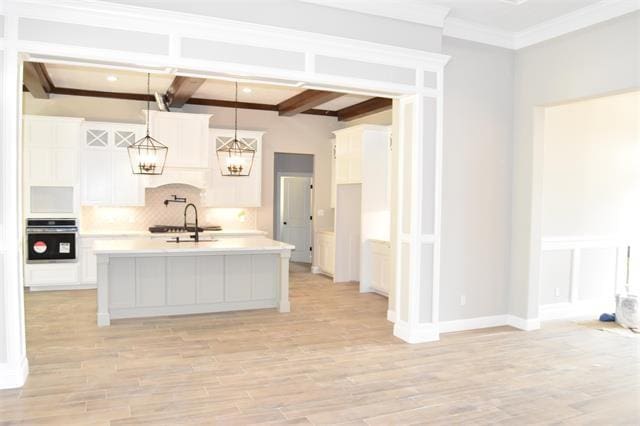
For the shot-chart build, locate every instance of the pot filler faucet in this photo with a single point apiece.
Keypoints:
(195, 236)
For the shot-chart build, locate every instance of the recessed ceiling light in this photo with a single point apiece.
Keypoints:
(247, 90)
(112, 78)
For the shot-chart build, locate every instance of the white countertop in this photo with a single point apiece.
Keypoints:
(135, 246)
(142, 233)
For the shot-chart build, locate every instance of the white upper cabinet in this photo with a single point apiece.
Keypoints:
(106, 176)
(51, 150)
(186, 136)
(352, 150)
(234, 191)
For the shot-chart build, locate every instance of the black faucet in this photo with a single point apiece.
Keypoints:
(196, 235)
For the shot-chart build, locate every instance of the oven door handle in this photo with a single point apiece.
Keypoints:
(52, 231)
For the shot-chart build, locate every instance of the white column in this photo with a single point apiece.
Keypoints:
(14, 366)
(417, 206)
(104, 319)
(283, 304)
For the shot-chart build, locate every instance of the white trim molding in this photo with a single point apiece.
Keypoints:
(575, 245)
(14, 375)
(415, 11)
(466, 30)
(391, 315)
(577, 20)
(416, 333)
(473, 323)
(581, 308)
(526, 324)
(564, 24)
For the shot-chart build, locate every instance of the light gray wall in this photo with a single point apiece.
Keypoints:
(595, 61)
(308, 17)
(478, 95)
(303, 134)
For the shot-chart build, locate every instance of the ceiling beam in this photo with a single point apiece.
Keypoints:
(370, 106)
(305, 101)
(182, 89)
(37, 80)
(193, 101)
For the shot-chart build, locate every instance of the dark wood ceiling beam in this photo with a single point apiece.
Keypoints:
(193, 101)
(362, 109)
(305, 101)
(182, 89)
(100, 94)
(37, 80)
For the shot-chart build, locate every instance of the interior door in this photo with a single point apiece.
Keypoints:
(295, 216)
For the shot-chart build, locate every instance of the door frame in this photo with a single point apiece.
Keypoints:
(276, 205)
(163, 39)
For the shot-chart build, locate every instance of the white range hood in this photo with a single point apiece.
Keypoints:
(192, 177)
(187, 137)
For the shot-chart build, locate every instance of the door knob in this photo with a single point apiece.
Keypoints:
(284, 223)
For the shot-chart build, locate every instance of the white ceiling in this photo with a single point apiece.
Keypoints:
(511, 15)
(513, 24)
(93, 78)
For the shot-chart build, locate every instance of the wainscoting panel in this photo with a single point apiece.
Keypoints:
(555, 277)
(580, 275)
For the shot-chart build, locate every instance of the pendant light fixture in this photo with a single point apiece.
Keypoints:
(235, 157)
(147, 156)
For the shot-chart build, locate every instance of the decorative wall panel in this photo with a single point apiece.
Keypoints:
(365, 70)
(93, 37)
(241, 54)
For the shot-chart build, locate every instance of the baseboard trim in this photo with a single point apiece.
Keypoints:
(391, 315)
(419, 333)
(317, 271)
(526, 324)
(14, 376)
(472, 323)
(62, 287)
(557, 311)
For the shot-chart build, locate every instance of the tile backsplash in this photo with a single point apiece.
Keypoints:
(154, 212)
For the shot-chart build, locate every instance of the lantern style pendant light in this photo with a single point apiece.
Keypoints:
(235, 157)
(147, 156)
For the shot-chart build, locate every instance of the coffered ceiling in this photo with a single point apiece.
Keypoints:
(67, 79)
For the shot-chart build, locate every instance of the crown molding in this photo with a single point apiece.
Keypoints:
(411, 10)
(466, 30)
(577, 20)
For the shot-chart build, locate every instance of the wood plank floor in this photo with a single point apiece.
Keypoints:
(332, 360)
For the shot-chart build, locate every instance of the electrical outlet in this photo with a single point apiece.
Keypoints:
(463, 300)
(557, 291)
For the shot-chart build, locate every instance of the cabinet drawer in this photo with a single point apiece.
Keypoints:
(51, 274)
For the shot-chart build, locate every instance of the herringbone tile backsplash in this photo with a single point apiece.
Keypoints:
(155, 212)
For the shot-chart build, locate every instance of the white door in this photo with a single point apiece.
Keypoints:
(295, 216)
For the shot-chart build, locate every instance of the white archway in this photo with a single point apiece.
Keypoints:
(191, 45)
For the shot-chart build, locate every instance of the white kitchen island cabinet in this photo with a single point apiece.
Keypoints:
(147, 278)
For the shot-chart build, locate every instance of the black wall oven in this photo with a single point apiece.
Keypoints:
(51, 240)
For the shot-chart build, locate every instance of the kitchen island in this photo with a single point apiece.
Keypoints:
(146, 278)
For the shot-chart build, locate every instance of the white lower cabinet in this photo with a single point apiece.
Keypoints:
(325, 252)
(87, 260)
(380, 266)
(50, 275)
